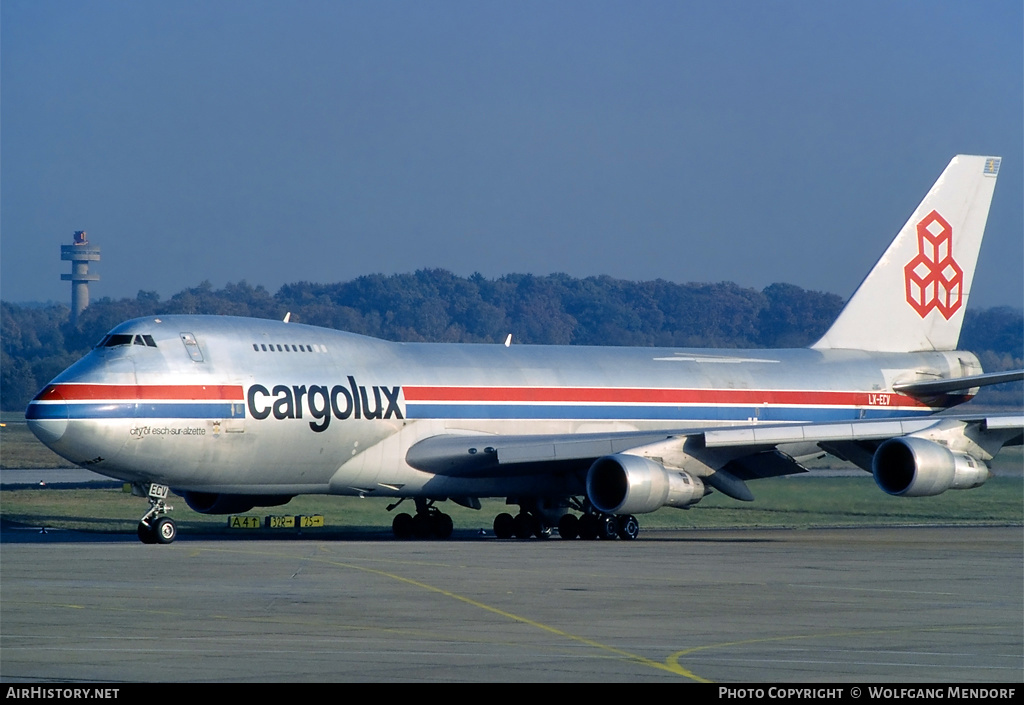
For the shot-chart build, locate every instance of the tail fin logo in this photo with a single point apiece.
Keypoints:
(934, 279)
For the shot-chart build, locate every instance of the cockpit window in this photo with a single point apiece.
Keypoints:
(111, 341)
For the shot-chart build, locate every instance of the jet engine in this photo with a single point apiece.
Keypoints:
(629, 484)
(211, 503)
(915, 467)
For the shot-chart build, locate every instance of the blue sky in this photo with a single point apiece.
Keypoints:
(278, 142)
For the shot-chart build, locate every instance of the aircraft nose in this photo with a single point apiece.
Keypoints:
(47, 415)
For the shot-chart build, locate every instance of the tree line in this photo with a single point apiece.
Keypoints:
(38, 341)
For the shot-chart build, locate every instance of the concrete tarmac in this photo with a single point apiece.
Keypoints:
(908, 605)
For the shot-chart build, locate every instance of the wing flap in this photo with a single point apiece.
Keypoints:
(1003, 423)
(767, 436)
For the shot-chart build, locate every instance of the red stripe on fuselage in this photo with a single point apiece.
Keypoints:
(655, 396)
(109, 392)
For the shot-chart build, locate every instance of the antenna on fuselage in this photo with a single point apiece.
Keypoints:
(508, 340)
(287, 316)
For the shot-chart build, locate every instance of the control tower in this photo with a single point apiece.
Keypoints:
(81, 254)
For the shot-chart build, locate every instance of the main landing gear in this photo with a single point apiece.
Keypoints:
(429, 522)
(589, 526)
(524, 525)
(155, 526)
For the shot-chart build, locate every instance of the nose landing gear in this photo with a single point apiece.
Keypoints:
(155, 527)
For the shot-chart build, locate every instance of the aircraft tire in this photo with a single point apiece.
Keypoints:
(569, 526)
(443, 526)
(628, 527)
(608, 528)
(588, 527)
(401, 526)
(524, 527)
(146, 534)
(422, 526)
(504, 526)
(165, 530)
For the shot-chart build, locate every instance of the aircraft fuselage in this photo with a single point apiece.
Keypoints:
(231, 405)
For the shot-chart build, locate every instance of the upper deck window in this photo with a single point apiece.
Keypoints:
(288, 347)
(192, 347)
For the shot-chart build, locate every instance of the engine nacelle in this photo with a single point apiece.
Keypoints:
(211, 503)
(629, 484)
(915, 467)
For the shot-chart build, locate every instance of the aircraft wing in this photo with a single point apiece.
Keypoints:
(493, 455)
(750, 451)
(725, 458)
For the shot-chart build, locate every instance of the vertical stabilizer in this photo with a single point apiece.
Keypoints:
(914, 298)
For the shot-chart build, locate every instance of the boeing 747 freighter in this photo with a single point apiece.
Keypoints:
(237, 413)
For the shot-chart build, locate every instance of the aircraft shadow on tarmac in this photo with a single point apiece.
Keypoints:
(16, 532)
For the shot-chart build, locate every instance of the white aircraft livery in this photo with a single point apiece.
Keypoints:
(235, 413)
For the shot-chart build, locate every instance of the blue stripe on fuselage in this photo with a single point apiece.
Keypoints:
(680, 413)
(142, 410)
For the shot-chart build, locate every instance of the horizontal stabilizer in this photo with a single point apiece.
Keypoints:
(943, 386)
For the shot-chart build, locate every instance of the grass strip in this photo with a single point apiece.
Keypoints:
(797, 502)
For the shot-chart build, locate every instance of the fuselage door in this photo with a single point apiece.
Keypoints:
(234, 422)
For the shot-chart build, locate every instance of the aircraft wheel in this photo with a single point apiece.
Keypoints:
(422, 526)
(628, 527)
(165, 530)
(401, 526)
(146, 533)
(588, 527)
(504, 526)
(524, 526)
(569, 526)
(607, 527)
(443, 526)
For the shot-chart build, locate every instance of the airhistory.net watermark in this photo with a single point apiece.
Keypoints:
(47, 693)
